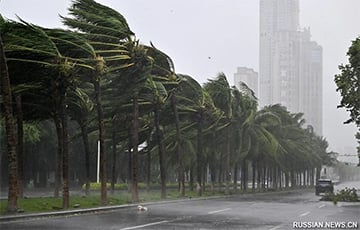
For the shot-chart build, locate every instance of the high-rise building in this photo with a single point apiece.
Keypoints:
(290, 63)
(249, 77)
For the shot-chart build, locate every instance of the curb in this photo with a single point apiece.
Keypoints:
(15, 217)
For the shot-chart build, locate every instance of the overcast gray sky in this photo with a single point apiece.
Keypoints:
(205, 37)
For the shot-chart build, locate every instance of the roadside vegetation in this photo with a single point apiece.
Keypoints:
(344, 195)
(120, 196)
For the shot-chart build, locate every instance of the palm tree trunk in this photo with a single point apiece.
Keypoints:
(221, 171)
(134, 157)
(227, 164)
(65, 159)
(204, 175)
(287, 179)
(85, 138)
(179, 147)
(312, 177)
(235, 176)
(318, 173)
(130, 157)
(275, 177)
(253, 175)
(101, 140)
(212, 167)
(113, 167)
(259, 176)
(191, 179)
(58, 163)
(148, 167)
(199, 158)
(292, 178)
(244, 175)
(162, 160)
(264, 176)
(10, 133)
(304, 179)
(212, 163)
(20, 146)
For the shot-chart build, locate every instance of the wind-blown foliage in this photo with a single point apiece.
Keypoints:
(137, 99)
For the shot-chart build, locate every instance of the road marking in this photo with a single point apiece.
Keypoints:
(321, 206)
(304, 214)
(221, 210)
(276, 227)
(145, 225)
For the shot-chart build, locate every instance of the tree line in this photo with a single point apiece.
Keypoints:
(96, 81)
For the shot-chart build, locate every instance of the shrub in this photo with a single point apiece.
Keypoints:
(346, 195)
(97, 186)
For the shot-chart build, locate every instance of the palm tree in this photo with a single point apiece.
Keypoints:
(196, 106)
(240, 114)
(161, 81)
(159, 98)
(20, 144)
(179, 143)
(10, 131)
(130, 82)
(221, 94)
(259, 141)
(59, 54)
(181, 106)
(80, 110)
(244, 107)
(105, 29)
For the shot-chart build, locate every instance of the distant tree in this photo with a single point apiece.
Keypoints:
(220, 91)
(357, 135)
(348, 83)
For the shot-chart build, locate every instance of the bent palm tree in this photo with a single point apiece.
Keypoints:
(10, 131)
(59, 54)
(106, 30)
(220, 92)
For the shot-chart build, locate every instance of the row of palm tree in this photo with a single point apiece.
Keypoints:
(99, 75)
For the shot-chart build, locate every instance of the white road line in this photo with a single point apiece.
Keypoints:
(321, 206)
(276, 227)
(304, 214)
(221, 210)
(145, 225)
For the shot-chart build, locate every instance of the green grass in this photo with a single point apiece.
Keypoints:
(121, 196)
(42, 204)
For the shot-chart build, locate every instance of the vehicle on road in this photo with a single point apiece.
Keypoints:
(323, 186)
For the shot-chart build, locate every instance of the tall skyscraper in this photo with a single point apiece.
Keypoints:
(249, 77)
(290, 63)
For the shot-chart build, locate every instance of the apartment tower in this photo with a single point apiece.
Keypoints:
(290, 63)
(249, 77)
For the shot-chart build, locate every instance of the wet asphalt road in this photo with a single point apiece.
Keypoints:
(252, 211)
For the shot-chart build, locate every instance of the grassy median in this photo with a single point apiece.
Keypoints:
(48, 204)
